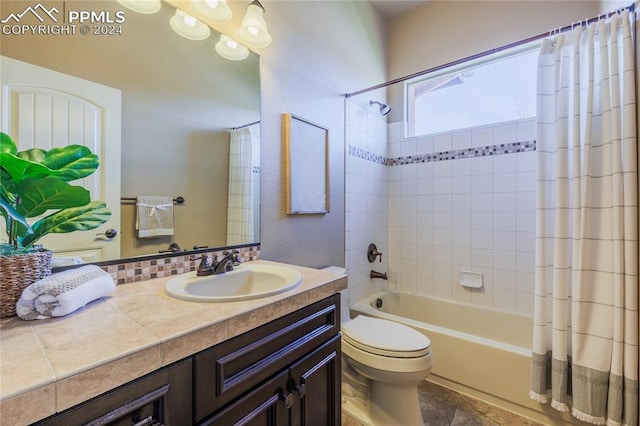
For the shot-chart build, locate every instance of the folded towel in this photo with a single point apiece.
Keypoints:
(154, 216)
(57, 262)
(64, 292)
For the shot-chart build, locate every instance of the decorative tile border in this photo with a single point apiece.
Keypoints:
(366, 155)
(499, 149)
(142, 270)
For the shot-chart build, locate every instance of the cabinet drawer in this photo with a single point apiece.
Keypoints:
(162, 397)
(225, 371)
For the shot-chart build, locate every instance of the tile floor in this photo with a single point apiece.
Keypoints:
(445, 407)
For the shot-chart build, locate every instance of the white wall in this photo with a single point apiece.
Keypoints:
(320, 51)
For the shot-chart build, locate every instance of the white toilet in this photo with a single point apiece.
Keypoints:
(383, 362)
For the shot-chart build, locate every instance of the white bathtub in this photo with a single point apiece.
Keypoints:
(481, 351)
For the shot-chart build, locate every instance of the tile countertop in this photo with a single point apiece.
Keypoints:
(51, 365)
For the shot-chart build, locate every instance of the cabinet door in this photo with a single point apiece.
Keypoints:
(315, 381)
(267, 405)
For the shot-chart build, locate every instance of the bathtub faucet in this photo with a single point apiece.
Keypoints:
(376, 274)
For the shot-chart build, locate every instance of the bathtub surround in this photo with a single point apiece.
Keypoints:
(366, 197)
(585, 346)
(457, 201)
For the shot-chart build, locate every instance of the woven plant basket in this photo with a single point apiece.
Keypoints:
(18, 272)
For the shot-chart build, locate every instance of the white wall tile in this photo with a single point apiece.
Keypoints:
(504, 182)
(526, 181)
(424, 145)
(505, 221)
(505, 202)
(526, 130)
(442, 142)
(443, 216)
(461, 184)
(461, 202)
(461, 139)
(505, 299)
(506, 163)
(482, 202)
(482, 239)
(482, 136)
(482, 184)
(506, 279)
(461, 220)
(482, 165)
(504, 133)
(461, 167)
(505, 240)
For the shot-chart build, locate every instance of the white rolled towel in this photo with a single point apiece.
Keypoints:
(64, 292)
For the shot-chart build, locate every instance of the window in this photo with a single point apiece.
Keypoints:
(473, 94)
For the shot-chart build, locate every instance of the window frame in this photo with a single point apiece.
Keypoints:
(456, 68)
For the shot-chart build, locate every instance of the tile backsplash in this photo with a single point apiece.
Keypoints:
(142, 270)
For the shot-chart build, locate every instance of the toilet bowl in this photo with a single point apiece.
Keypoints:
(383, 364)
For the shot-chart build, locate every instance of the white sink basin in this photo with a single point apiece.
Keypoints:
(243, 283)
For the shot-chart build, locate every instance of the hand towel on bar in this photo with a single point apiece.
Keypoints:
(154, 216)
(64, 292)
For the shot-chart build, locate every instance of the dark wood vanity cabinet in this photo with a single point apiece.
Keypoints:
(162, 397)
(286, 372)
(283, 373)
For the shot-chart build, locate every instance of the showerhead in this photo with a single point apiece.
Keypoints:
(384, 108)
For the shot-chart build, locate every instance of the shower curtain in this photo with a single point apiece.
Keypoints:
(240, 210)
(585, 346)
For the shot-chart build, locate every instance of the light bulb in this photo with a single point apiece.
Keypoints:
(253, 29)
(189, 27)
(142, 6)
(231, 49)
(216, 11)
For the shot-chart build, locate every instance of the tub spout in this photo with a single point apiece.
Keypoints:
(376, 274)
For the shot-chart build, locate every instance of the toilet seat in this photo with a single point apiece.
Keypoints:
(385, 338)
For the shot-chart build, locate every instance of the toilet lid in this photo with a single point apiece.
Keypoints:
(387, 338)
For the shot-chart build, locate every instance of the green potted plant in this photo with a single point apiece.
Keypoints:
(35, 182)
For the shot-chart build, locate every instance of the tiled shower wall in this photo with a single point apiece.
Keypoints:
(441, 204)
(464, 201)
(366, 198)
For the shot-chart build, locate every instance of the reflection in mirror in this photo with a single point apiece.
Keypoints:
(180, 104)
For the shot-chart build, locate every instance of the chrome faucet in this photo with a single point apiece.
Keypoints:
(226, 264)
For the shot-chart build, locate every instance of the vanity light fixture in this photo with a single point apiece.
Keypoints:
(231, 49)
(217, 11)
(142, 6)
(189, 27)
(253, 29)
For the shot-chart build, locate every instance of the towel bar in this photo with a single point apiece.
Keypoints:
(127, 200)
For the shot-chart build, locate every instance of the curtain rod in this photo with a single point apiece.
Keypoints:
(583, 23)
(245, 125)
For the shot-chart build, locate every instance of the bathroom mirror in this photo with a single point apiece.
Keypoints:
(307, 166)
(180, 100)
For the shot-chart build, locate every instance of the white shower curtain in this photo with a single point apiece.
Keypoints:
(585, 347)
(240, 210)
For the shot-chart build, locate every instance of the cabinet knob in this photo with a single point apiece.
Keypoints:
(301, 389)
(288, 399)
